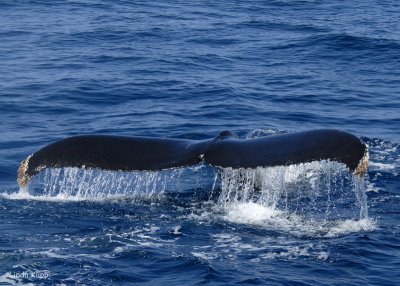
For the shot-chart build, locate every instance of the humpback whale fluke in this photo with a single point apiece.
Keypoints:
(226, 150)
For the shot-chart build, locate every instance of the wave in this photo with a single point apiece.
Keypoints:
(343, 46)
(345, 41)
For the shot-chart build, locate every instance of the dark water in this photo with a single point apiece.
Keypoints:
(190, 69)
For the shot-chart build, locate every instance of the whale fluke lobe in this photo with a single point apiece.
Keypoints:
(121, 153)
(287, 149)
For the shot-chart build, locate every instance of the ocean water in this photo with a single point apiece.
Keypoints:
(190, 69)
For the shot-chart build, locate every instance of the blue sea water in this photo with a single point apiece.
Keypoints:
(190, 69)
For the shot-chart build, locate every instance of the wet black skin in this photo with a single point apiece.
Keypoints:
(226, 150)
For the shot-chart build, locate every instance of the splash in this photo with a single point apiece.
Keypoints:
(93, 184)
(305, 193)
(250, 213)
(317, 199)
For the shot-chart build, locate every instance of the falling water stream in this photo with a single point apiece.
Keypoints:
(316, 195)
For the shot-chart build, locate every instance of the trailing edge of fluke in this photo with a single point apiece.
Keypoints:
(120, 153)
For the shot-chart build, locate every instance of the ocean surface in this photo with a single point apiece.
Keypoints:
(190, 69)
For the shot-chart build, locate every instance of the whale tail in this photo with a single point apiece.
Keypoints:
(150, 154)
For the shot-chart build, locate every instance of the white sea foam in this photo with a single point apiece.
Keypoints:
(250, 213)
(231, 245)
(370, 187)
(297, 225)
(176, 230)
(382, 166)
(296, 252)
(351, 226)
(207, 256)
